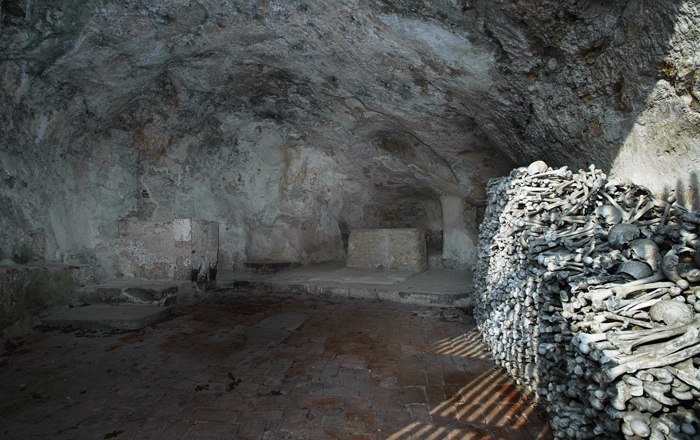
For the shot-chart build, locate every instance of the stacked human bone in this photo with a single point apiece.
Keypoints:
(588, 293)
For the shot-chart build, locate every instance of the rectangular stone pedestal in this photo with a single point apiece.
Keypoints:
(395, 249)
(26, 289)
(178, 249)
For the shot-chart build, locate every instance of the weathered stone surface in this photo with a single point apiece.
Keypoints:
(161, 293)
(291, 123)
(391, 249)
(107, 316)
(459, 226)
(180, 249)
(28, 289)
(330, 378)
(434, 287)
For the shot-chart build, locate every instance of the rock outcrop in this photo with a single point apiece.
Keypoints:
(290, 122)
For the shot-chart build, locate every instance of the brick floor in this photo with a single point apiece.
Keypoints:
(355, 369)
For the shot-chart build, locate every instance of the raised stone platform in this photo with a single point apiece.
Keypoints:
(180, 249)
(153, 292)
(26, 289)
(387, 249)
(435, 287)
(107, 316)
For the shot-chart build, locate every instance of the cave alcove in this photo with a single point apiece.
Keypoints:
(190, 138)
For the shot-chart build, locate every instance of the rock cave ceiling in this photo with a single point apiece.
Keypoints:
(416, 96)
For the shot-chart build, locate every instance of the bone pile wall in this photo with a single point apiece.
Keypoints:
(588, 293)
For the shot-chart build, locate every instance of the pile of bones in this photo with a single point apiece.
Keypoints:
(588, 293)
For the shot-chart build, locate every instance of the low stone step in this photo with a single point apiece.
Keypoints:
(160, 293)
(441, 299)
(435, 287)
(346, 290)
(269, 266)
(27, 289)
(107, 317)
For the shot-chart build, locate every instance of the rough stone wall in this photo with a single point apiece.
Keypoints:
(181, 249)
(285, 122)
(230, 113)
(609, 83)
(388, 249)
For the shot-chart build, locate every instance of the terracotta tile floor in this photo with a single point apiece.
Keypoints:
(263, 367)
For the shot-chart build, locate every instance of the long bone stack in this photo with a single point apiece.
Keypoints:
(588, 292)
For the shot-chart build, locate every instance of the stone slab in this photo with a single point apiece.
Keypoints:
(27, 289)
(387, 249)
(179, 249)
(434, 287)
(108, 316)
(362, 276)
(162, 293)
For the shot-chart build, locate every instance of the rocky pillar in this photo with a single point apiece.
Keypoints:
(459, 233)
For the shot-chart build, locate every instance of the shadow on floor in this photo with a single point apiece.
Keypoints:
(489, 406)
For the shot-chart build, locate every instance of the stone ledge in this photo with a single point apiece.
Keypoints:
(27, 289)
(153, 292)
(107, 316)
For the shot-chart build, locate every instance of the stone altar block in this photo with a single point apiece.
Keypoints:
(394, 249)
(178, 249)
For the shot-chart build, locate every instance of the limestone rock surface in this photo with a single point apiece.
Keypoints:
(387, 249)
(291, 122)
